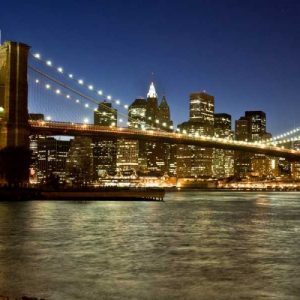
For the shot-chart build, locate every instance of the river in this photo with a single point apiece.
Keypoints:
(194, 245)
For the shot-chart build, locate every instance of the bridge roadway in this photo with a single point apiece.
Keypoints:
(78, 129)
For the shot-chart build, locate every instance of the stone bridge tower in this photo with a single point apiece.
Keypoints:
(14, 129)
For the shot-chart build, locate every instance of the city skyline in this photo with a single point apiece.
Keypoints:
(242, 68)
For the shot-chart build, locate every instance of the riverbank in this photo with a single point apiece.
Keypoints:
(121, 194)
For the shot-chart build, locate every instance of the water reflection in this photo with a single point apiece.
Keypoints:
(216, 245)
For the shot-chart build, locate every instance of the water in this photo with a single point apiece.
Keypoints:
(195, 245)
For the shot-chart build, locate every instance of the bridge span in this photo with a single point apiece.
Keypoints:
(78, 129)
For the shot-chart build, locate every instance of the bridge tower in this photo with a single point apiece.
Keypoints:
(14, 129)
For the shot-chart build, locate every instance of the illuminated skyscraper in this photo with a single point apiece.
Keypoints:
(164, 115)
(80, 161)
(195, 161)
(223, 160)
(104, 150)
(137, 113)
(105, 115)
(152, 107)
(251, 127)
(49, 156)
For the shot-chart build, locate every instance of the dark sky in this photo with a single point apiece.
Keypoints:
(245, 53)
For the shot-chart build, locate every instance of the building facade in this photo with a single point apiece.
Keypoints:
(195, 161)
(223, 160)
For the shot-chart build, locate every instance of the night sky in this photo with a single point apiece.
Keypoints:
(245, 53)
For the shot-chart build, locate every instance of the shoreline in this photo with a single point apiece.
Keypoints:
(23, 194)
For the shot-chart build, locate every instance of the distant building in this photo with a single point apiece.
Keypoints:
(223, 160)
(49, 156)
(105, 115)
(251, 127)
(296, 165)
(196, 161)
(127, 155)
(152, 107)
(257, 124)
(153, 157)
(80, 161)
(164, 115)
(104, 150)
(137, 114)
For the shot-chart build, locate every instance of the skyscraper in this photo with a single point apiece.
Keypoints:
(251, 127)
(105, 115)
(257, 124)
(152, 107)
(164, 115)
(195, 161)
(153, 157)
(79, 163)
(137, 113)
(223, 160)
(104, 150)
(49, 156)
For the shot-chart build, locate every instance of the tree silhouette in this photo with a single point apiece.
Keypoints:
(14, 165)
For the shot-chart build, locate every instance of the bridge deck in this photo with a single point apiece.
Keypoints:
(77, 129)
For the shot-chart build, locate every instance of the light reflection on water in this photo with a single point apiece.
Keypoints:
(195, 245)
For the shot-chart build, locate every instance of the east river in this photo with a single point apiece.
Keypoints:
(195, 245)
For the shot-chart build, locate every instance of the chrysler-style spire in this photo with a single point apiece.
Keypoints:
(152, 91)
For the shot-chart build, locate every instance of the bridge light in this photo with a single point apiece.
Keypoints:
(118, 102)
(109, 97)
(37, 81)
(37, 55)
(95, 109)
(171, 127)
(49, 63)
(47, 86)
(60, 70)
(77, 101)
(100, 92)
(91, 87)
(86, 105)
(113, 124)
(120, 120)
(80, 81)
(68, 96)
(57, 91)
(48, 118)
(85, 120)
(70, 75)
(126, 106)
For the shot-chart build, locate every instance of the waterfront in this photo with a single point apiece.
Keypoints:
(195, 245)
